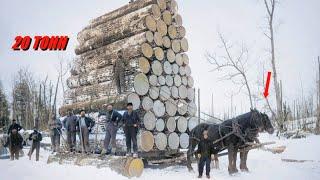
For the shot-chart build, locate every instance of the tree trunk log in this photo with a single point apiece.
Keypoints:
(182, 124)
(149, 121)
(122, 27)
(176, 46)
(171, 56)
(172, 32)
(190, 81)
(146, 141)
(162, 27)
(159, 53)
(191, 94)
(179, 59)
(158, 39)
(162, 80)
(175, 92)
(177, 20)
(160, 125)
(167, 68)
(156, 68)
(167, 17)
(172, 6)
(184, 80)
(154, 92)
(107, 55)
(182, 107)
(153, 80)
(141, 84)
(120, 12)
(169, 80)
(183, 92)
(192, 108)
(166, 42)
(175, 68)
(192, 123)
(144, 65)
(135, 100)
(165, 93)
(173, 141)
(147, 50)
(171, 107)
(147, 103)
(171, 124)
(158, 108)
(184, 140)
(177, 80)
(184, 44)
(113, 35)
(161, 141)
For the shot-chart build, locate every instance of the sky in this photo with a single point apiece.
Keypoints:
(241, 22)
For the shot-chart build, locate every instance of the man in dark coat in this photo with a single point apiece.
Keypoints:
(13, 126)
(70, 124)
(131, 122)
(119, 72)
(205, 154)
(112, 120)
(84, 126)
(36, 138)
(55, 131)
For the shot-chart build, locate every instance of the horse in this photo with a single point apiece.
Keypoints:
(231, 134)
(15, 141)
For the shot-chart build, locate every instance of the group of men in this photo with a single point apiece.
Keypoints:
(114, 120)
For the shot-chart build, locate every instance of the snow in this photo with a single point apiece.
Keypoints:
(263, 166)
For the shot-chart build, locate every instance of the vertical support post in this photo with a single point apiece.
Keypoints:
(199, 105)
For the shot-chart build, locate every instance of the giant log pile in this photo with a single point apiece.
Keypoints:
(156, 76)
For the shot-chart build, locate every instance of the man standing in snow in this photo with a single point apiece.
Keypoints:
(131, 122)
(112, 120)
(70, 123)
(55, 132)
(14, 126)
(84, 126)
(205, 155)
(36, 137)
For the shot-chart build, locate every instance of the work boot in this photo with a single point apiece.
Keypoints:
(200, 176)
(208, 176)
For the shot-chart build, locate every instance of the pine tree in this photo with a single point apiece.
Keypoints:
(4, 109)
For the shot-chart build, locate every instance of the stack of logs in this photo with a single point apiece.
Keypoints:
(157, 75)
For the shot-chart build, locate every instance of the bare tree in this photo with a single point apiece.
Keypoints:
(4, 109)
(270, 6)
(236, 64)
(317, 130)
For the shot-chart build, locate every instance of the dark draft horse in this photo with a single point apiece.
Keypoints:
(14, 142)
(231, 134)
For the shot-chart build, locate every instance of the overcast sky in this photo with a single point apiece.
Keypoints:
(241, 22)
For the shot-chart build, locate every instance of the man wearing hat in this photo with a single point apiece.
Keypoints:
(131, 122)
(113, 118)
(36, 137)
(14, 126)
(84, 125)
(70, 123)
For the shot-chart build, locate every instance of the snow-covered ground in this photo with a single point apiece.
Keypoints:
(262, 165)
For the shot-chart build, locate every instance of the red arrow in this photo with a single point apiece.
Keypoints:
(266, 88)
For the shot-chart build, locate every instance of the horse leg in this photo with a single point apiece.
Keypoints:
(216, 161)
(192, 146)
(230, 158)
(235, 152)
(243, 161)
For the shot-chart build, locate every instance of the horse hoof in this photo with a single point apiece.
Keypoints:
(244, 169)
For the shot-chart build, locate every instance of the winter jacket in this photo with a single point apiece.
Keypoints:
(70, 123)
(131, 119)
(55, 126)
(89, 123)
(112, 116)
(35, 136)
(14, 126)
(205, 148)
